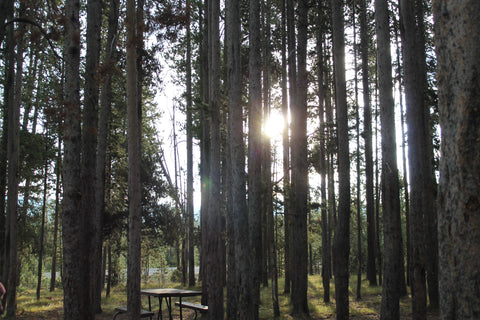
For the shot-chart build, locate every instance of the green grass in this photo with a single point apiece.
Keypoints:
(364, 308)
(27, 301)
(50, 305)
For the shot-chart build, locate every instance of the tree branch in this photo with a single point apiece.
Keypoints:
(36, 24)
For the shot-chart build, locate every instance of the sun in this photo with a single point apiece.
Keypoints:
(273, 126)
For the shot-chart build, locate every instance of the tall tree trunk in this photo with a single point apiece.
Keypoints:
(342, 231)
(9, 93)
(404, 158)
(431, 218)
(215, 245)
(110, 270)
(286, 151)
(390, 186)
(42, 228)
(274, 272)
(255, 152)
(292, 75)
(414, 89)
(300, 173)
(58, 170)
(89, 148)
(134, 184)
(422, 206)
(223, 174)
(270, 245)
(367, 133)
(457, 23)
(266, 180)
(104, 268)
(232, 283)
(190, 208)
(242, 285)
(204, 153)
(430, 185)
(326, 271)
(270, 252)
(3, 185)
(140, 53)
(13, 174)
(330, 147)
(104, 116)
(237, 165)
(357, 129)
(176, 191)
(378, 247)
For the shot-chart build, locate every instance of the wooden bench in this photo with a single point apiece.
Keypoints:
(194, 306)
(143, 314)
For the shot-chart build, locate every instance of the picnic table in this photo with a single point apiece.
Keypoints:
(168, 294)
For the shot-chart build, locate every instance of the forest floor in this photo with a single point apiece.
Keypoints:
(367, 308)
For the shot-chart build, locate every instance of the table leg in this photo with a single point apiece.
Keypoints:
(169, 305)
(159, 316)
(181, 315)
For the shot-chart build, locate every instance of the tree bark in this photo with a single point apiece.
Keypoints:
(13, 155)
(9, 94)
(3, 185)
(110, 270)
(266, 180)
(423, 219)
(357, 160)
(330, 150)
(74, 302)
(204, 152)
(300, 173)
(415, 85)
(134, 183)
(232, 284)
(342, 230)
(404, 158)
(255, 153)
(393, 257)
(242, 285)
(215, 245)
(42, 229)
(378, 247)
(292, 75)
(326, 271)
(89, 148)
(104, 116)
(367, 133)
(286, 151)
(72, 222)
(457, 23)
(58, 170)
(190, 208)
